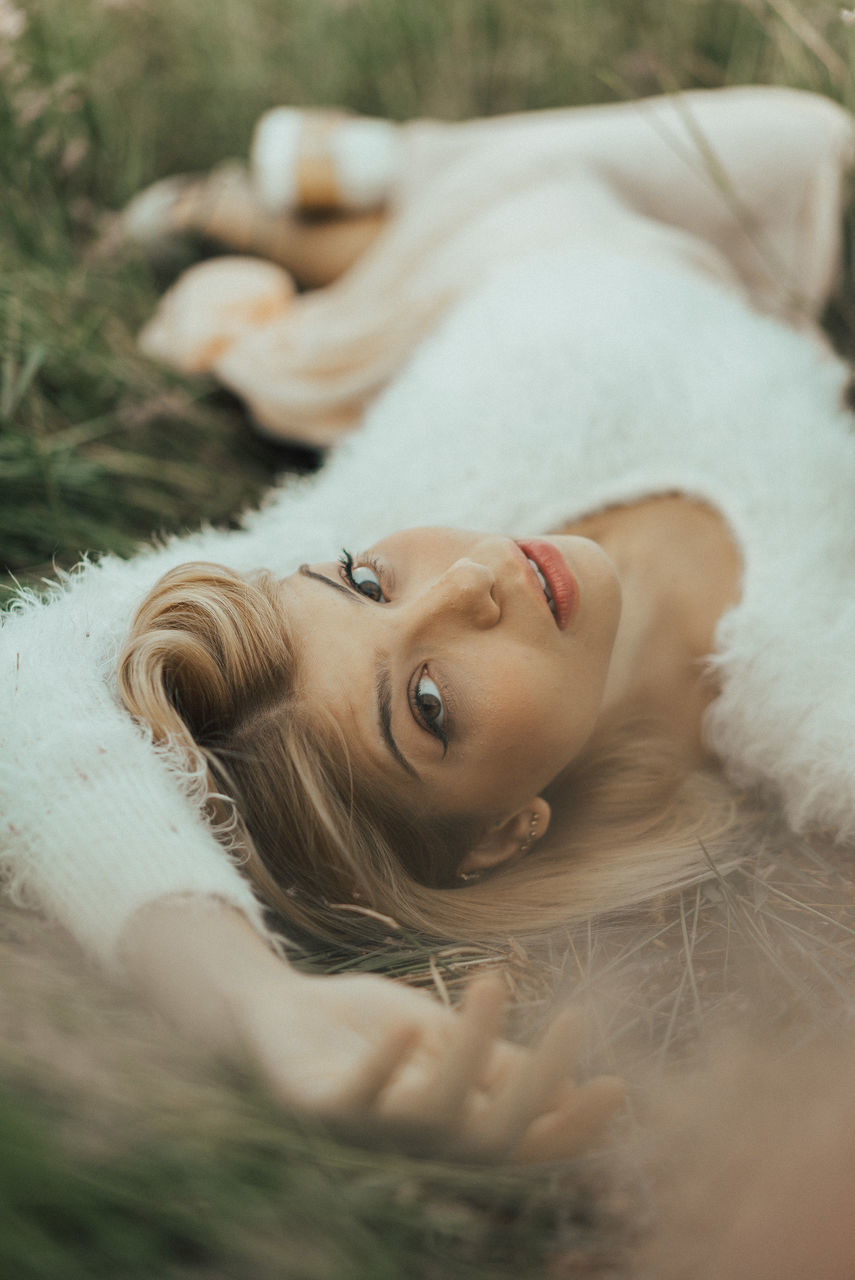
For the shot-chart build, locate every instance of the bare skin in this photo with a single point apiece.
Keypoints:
(516, 697)
(373, 1056)
(680, 571)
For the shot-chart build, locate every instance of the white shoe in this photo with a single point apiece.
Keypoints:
(323, 160)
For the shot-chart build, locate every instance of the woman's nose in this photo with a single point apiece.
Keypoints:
(463, 594)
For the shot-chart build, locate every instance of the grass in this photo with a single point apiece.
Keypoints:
(123, 1154)
(126, 1153)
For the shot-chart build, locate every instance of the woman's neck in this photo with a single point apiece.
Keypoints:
(680, 571)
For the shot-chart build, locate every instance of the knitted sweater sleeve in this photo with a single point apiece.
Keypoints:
(94, 822)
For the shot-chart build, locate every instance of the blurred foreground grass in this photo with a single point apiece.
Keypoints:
(127, 1154)
(120, 1157)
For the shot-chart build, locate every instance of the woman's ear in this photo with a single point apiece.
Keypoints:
(512, 837)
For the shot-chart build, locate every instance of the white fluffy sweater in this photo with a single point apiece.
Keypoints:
(568, 381)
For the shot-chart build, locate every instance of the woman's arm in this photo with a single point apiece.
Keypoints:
(94, 822)
(366, 1052)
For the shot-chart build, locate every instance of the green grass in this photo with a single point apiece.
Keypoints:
(241, 1193)
(121, 1154)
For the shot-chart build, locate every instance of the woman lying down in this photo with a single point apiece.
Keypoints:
(592, 473)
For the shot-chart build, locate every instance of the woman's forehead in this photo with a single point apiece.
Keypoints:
(335, 663)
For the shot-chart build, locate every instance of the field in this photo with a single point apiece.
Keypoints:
(123, 1154)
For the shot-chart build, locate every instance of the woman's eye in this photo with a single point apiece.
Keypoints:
(363, 578)
(428, 700)
(367, 583)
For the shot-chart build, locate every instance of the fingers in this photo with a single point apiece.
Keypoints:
(553, 1061)
(479, 1022)
(438, 1100)
(537, 1114)
(529, 1087)
(569, 1130)
(372, 1077)
(428, 1085)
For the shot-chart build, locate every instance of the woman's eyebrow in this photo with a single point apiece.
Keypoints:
(382, 681)
(383, 689)
(331, 582)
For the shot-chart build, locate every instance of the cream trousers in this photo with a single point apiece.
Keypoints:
(743, 184)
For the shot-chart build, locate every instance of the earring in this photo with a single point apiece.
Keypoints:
(532, 835)
(469, 877)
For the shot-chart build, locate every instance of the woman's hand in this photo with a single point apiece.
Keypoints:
(369, 1054)
(381, 1057)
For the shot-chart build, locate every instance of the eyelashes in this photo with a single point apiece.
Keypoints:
(364, 576)
(428, 707)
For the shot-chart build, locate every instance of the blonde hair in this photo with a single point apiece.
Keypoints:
(211, 668)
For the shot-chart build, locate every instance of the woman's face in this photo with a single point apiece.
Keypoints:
(449, 674)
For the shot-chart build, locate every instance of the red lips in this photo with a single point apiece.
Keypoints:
(562, 584)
